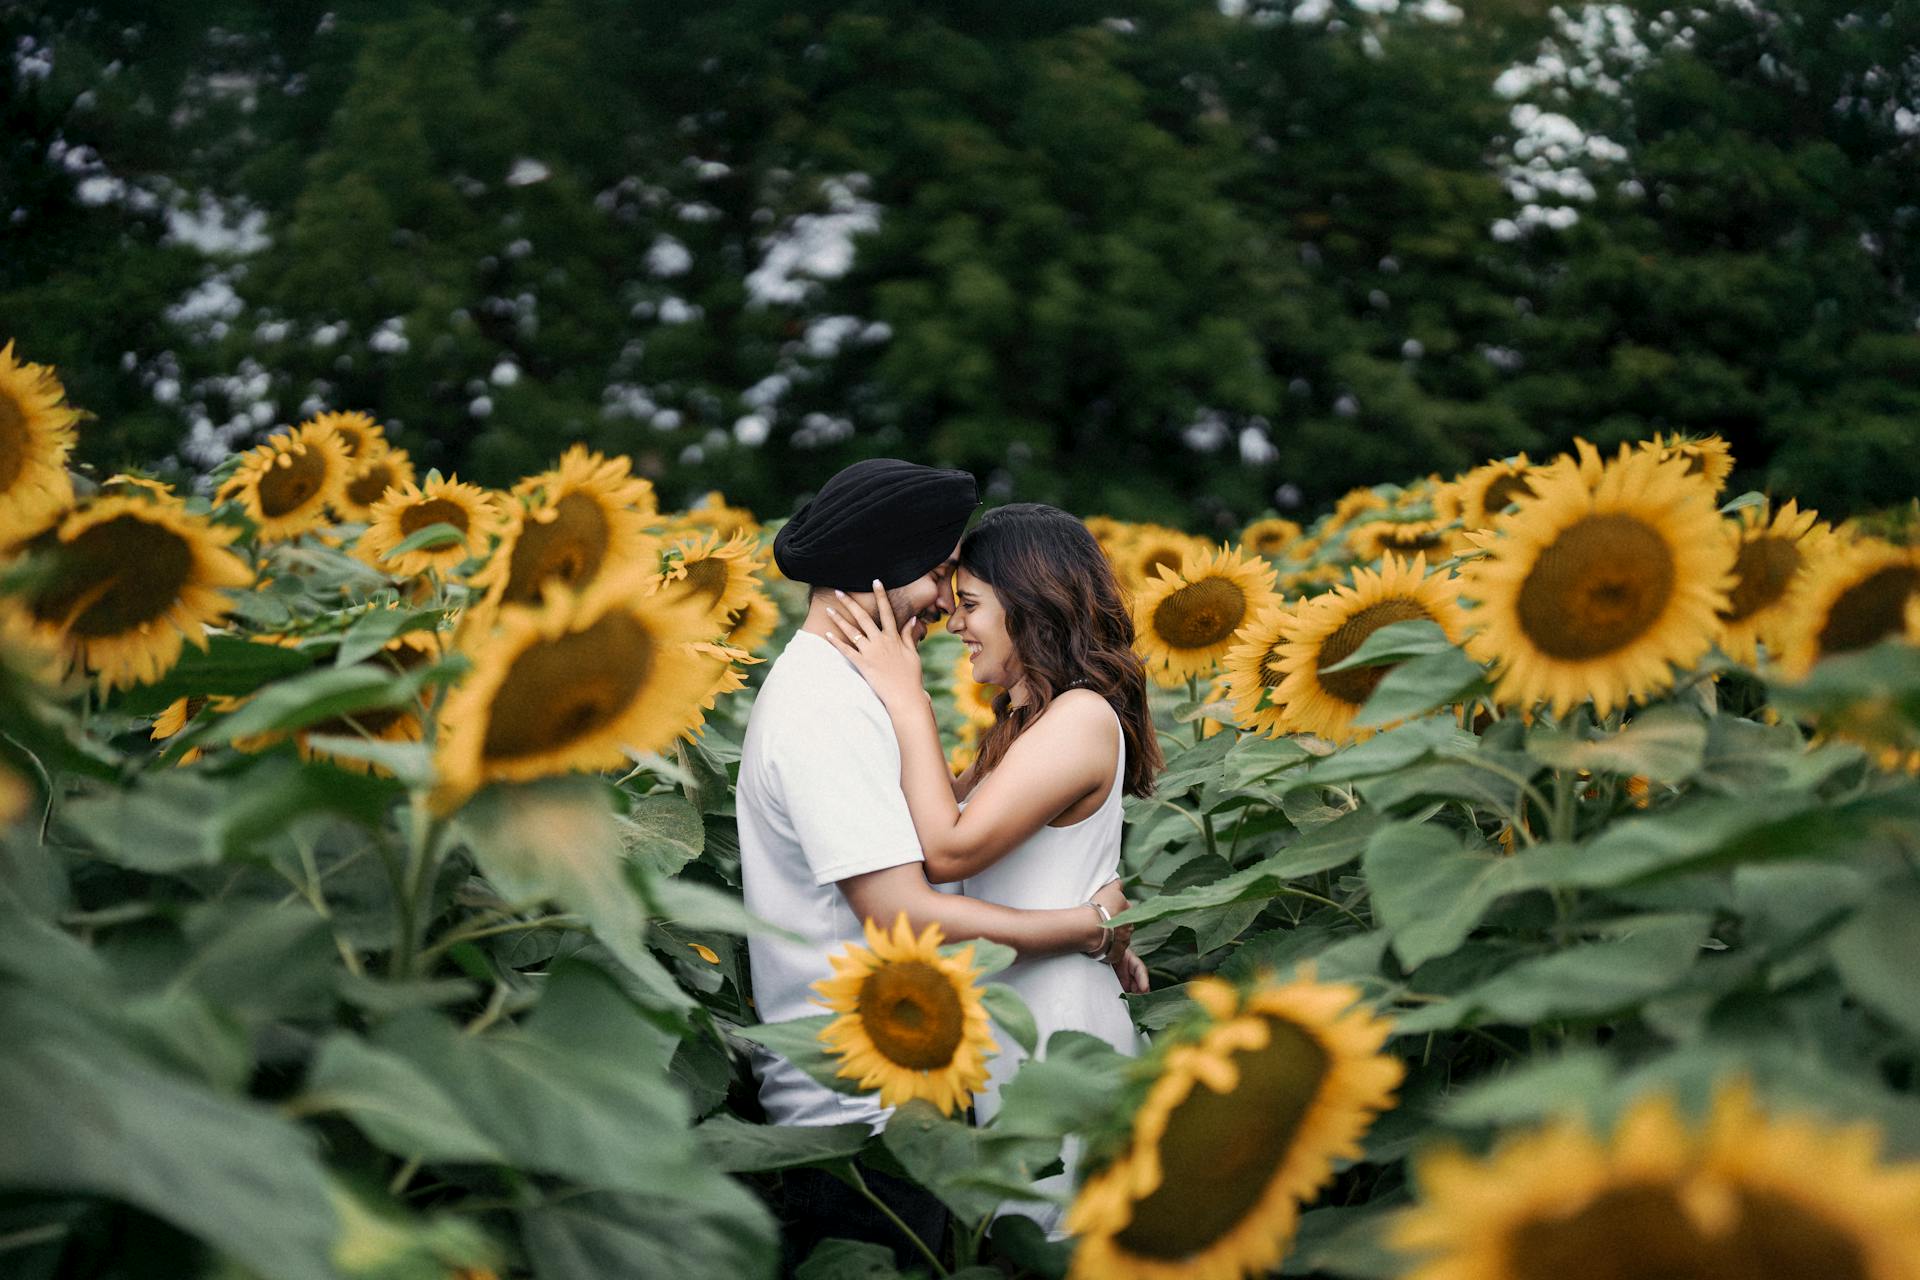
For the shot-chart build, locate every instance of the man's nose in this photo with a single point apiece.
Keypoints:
(943, 596)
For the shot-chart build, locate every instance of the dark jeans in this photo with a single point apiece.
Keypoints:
(821, 1207)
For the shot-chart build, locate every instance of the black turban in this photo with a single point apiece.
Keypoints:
(881, 518)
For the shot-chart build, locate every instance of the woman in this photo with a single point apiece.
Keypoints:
(1036, 820)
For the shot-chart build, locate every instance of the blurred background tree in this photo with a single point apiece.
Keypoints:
(1168, 259)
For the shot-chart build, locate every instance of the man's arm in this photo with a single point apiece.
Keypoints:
(882, 895)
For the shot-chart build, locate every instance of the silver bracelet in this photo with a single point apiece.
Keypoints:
(1106, 931)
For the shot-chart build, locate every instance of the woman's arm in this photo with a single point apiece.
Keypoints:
(881, 895)
(1064, 756)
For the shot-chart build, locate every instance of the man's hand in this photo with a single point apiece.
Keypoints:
(1115, 902)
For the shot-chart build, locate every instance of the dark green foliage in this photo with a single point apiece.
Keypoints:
(1160, 263)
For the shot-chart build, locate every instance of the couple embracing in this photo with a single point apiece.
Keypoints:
(848, 812)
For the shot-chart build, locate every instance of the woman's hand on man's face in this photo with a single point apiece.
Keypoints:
(881, 651)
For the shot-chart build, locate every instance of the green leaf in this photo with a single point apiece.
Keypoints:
(1398, 642)
(1324, 847)
(1666, 744)
(971, 1170)
(798, 1041)
(1203, 762)
(1335, 1240)
(368, 634)
(308, 699)
(699, 906)
(261, 964)
(1068, 1089)
(1429, 890)
(1253, 758)
(1533, 1090)
(1593, 979)
(1395, 749)
(988, 957)
(556, 841)
(1874, 955)
(665, 831)
(431, 538)
(704, 1225)
(392, 1103)
(409, 763)
(848, 1260)
(259, 804)
(734, 1146)
(159, 825)
(582, 1091)
(229, 666)
(227, 1171)
(1420, 685)
(1010, 1014)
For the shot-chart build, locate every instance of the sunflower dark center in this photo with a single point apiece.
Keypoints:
(1160, 558)
(1410, 540)
(1599, 587)
(1221, 1151)
(1870, 610)
(1644, 1233)
(433, 511)
(13, 441)
(912, 1014)
(563, 690)
(291, 481)
(1504, 491)
(114, 578)
(1356, 684)
(569, 548)
(706, 580)
(353, 438)
(1201, 615)
(1763, 571)
(370, 485)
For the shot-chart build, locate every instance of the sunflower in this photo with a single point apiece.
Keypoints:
(36, 435)
(1596, 588)
(1478, 497)
(1378, 538)
(572, 684)
(178, 715)
(1747, 1197)
(127, 485)
(1253, 675)
(1329, 628)
(1185, 620)
(1768, 557)
(584, 516)
(1237, 1129)
(712, 514)
(973, 700)
(1138, 560)
(1111, 534)
(1707, 456)
(1356, 502)
(1852, 596)
(15, 796)
(369, 481)
(753, 623)
(1272, 537)
(408, 508)
(1218, 699)
(286, 485)
(125, 581)
(911, 1023)
(721, 576)
(364, 438)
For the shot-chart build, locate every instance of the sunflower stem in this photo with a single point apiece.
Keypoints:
(689, 787)
(1560, 829)
(860, 1185)
(423, 832)
(1199, 725)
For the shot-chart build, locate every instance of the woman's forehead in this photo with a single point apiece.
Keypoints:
(964, 581)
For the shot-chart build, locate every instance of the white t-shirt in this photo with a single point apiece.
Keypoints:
(819, 800)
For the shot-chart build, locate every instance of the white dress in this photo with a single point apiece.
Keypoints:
(1059, 867)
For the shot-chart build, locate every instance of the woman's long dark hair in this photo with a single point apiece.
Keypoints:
(1069, 624)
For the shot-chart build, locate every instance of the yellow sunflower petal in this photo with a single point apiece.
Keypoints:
(370, 480)
(36, 435)
(1212, 1181)
(1769, 559)
(912, 1023)
(1850, 596)
(407, 508)
(287, 485)
(1184, 622)
(126, 582)
(1329, 628)
(585, 517)
(1604, 580)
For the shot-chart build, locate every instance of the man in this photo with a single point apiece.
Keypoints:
(826, 840)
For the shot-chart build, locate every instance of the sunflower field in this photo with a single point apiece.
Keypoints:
(1525, 895)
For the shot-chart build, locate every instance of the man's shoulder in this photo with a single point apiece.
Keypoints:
(810, 687)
